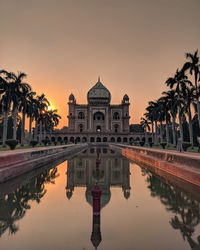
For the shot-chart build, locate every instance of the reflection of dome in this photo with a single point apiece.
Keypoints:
(105, 196)
(98, 94)
(69, 194)
(127, 193)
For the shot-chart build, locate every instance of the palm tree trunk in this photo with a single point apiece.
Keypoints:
(145, 133)
(198, 112)
(161, 132)
(5, 127)
(156, 130)
(15, 123)
(190, 128)
(152, 131)
(180, 124)
(50, 134)
(174, 130)
(167, 133)
(22, 127)
(40, 137)
(30, 129)
(197, 98)
(36, 129)
(44, 133)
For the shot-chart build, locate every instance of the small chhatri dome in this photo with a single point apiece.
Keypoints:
(98, 94)
(71, 98)
(125, 97)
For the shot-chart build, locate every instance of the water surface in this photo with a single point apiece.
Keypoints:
(52, 208)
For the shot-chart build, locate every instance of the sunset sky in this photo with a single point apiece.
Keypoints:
(64, 45)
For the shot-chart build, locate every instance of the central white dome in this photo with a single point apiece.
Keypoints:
(98, 94)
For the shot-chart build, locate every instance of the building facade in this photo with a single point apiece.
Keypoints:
(98, 120)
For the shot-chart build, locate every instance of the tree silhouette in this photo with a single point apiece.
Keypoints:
(14, 206)
(185, 208)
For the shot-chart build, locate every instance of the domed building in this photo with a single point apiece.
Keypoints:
(98, 120)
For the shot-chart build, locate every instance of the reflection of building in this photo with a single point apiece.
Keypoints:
(113, 171)
(96, 222)
(98, 169)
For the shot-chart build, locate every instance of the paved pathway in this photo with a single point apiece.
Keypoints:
(26, 150)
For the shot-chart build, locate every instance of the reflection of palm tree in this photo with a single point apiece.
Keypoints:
(186, 231)
(14, 205)
(175, 200)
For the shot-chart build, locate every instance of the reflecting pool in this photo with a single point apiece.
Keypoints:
(98, 200)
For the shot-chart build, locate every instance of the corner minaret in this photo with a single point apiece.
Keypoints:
(71, 115)
(125, 110)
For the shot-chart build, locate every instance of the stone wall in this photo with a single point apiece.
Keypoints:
(182, 165)
(18, 162)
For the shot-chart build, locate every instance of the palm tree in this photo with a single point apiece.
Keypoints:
(189, 99)
(164, 106)
(149, 118)
(6, 93)
(36, 117)
(43, 103)
(23, 108)
(161, 117)
(152, 115)
(194, 68)
(31, 109)
(180, 81)
(53, 119)
(171, 98)
(145, 125)
(17, 86)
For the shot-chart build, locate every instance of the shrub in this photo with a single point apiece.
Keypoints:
(1, 142)
(12, 143)
(163, 145)
(55, 143)
(142, 143)
(150, 144)
(186, 145)
(33, 143)
(45, 141)
(65, 141)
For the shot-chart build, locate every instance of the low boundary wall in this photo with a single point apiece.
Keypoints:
(16, 163)
(182, 165)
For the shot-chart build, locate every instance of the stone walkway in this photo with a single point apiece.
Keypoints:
(26, 150)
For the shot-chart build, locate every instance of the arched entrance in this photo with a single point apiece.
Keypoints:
(125, 139)
(98, 139)
(71, 139)
(91, 139)
(119, 139)
(112, 139)
(98, 128)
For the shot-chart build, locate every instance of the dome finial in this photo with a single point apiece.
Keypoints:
(98, 78)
